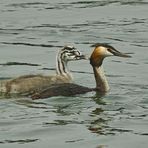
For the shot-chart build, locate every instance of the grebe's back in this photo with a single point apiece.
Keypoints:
(63, 89)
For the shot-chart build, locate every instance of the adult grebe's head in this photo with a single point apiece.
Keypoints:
(104, 50)
(70, 53)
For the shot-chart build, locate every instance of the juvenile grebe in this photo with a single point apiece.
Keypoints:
(30, 83)
(96, 59)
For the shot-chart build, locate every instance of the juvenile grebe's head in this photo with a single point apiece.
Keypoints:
(70, 53)
(104, 50)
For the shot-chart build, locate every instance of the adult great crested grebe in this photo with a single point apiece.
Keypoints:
(27, 84)
(96, 59)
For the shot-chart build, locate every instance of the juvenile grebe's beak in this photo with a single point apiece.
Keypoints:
(80, 57)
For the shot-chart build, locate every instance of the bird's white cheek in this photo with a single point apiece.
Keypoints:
(107, 54)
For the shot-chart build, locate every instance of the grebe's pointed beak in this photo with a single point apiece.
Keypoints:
(124, 55)
(82, 57)
(119, 54)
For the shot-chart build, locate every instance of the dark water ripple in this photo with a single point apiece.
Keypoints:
(74, 4)
(73, 26)
(18, 63)
(23, 5)
(137, 2)
(138, 45)
(31, 44)
(18, 141)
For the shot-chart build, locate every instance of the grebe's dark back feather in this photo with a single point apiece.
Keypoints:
(64, 89)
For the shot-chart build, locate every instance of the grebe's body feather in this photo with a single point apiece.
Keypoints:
(31, 83)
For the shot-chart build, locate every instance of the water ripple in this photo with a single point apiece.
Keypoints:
(30, 44)
(67, 5)
(18, 63)
(21, 141)
(26, 5)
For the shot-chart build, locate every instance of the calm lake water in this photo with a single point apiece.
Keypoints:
(31, 31)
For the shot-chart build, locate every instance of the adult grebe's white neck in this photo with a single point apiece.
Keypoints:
(101, 81)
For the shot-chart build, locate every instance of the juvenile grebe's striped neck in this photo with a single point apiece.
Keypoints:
(61, 65)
